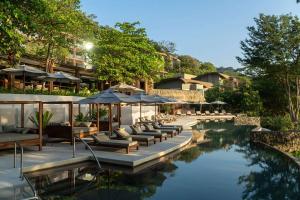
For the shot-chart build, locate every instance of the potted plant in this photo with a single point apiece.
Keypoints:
(47, 116)
(82, 120)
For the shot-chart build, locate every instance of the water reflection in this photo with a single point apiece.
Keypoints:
(229, 164)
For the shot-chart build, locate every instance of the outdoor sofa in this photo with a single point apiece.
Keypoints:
(67, 132)
(24, 136)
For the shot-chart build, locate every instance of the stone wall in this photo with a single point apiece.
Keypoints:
(241, 120)
(284, 141)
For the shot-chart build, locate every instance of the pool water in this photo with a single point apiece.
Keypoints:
(228, 167)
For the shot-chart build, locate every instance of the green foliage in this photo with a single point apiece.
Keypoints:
(102, 113)
(272, 53)
(16, 23)
(82, 118)
(47, 115)
(166, 108)
(243, 100)
(60, 92)
(277, 123)
(125, 53)
(191, 65)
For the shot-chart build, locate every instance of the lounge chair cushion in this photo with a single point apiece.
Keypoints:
(103, 139)
(122, 132)
(11, 137)
(9, 128)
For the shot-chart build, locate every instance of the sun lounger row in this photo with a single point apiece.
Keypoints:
(146, 133)
(206, 113)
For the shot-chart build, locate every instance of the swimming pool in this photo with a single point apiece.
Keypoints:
(228, 167)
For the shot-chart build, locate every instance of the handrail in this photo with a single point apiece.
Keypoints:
(22, 177)
(35, 196)
(17, 144)
(88, 146)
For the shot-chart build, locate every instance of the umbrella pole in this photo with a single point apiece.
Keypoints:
(140, 114)
(97, 117)
(119, 114)
(110, 119)
(23, 82)
(155, 112)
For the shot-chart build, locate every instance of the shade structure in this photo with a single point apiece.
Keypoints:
(122, 87)
(204, 103)
(144, 98)
(24, 70)
(109, 97)
(60, 77)
(218, 102)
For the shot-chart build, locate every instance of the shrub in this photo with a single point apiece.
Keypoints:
(277, 123)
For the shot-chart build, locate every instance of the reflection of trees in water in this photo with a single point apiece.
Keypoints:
(190, 154)
(224, 135)
(278, 177)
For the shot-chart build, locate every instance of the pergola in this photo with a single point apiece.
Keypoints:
(26, 142)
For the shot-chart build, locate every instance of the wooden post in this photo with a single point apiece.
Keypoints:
(22, 115)
(40, 125)
(23, 82)
(79, 108)
(119, 114)
(98, 120)
(71, 113)
(110, 119)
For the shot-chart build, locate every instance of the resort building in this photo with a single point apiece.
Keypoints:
(220, 79)
(183, 82)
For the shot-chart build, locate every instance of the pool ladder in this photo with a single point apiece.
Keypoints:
(22, 176)
(88, 147)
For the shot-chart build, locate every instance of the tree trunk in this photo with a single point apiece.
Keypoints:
(292, 106)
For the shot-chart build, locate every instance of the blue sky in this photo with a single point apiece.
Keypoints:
(210, 30)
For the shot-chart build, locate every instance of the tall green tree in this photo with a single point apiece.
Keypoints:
(17, 24)
(191, 65)
(272, 51)
(125, 53)
(61, 27)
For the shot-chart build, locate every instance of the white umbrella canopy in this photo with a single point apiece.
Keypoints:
(122, 87)
(218, 102)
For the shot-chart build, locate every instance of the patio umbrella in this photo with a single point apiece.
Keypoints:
(219, 103)
(122, 87)
(60, 77)
(108, 97)
(203, 103)
(144, 98)
(24, 70)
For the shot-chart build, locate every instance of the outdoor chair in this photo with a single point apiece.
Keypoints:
(216, 112)
(207, 113)
(123, 134)
(136, 130)
(169, 131)
(198, 112)
(174, 127)
(101, 140)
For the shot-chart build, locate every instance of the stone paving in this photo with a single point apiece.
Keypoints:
(53, 155)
